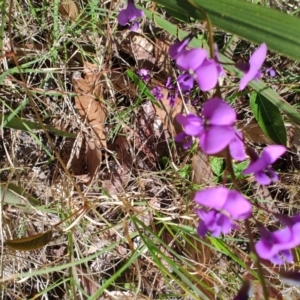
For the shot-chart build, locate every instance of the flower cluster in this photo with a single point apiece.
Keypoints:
(214, 129)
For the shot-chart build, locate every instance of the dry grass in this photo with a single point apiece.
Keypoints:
(122, 187)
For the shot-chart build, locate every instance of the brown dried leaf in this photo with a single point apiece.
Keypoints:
(138, 47)
(162, 57)
(69, 9)
(202, 172)
(93, 154)
(92, 110)
(89, 285)
(253, 133)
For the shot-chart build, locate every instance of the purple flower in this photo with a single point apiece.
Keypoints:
(271, 72)
(192, 124)
(187, 140)
(186, 81)
(129, 16)
(214, 222)
(252, 69)
(156, 92)
(144, 74)
(219, 131)
(236, 146)
(276, 246)
(172, 97)
(260, 166)
(215, 130)
(176, 49)
(227, 205)
(197, 67)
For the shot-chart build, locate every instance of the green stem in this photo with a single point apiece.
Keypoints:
(258, 263)
(229, 167)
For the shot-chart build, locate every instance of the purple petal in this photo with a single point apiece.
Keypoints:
(191, 59)
(271, 153)
(212, 197)
(135, 25)
(216, 138)
(256, 61)
(250, 75)
(262, 178)
(236, 147)
(202, 229)
(271, 72)
(185, 81)
(207, 75)
(129, 13)
(224, 223)
(218, 112)
(123, 17)
(192, 124)
(237, 206)
(288, 255)
(258, 57)
(257, 165)
(272, 174)
(277, 260)
(178, 48)
(180, 137)
(188, 143)
(169, 84)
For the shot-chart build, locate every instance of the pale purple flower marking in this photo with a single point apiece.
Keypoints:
(144, 74)
(129, 16)
(252, 69)
(260, 166)
(276, 246)
(156, 92)
(227, 205)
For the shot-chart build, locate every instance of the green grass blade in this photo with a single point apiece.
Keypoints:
(25, 125)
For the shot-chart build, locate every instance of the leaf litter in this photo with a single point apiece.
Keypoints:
(120, 171)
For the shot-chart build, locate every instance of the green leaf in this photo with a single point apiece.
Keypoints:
(217, 165)
(269, 118)
(255, 23)
(25, 125)
(142, 87)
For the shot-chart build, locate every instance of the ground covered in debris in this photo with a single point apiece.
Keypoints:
(90, 171)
